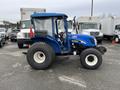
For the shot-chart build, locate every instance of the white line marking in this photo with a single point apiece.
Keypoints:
(16, 54)
(16, 65)
(8, 74)
(72, 81)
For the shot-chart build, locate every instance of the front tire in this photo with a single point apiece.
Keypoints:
(40, 56)
(91, 59)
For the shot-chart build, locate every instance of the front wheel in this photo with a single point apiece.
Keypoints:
(91, 59)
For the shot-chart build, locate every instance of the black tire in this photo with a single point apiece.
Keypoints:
(86, 59)
(46, 50)
(12, 40)
(20, 45)
(1, 44)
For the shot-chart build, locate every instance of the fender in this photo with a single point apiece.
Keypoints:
(50, 41)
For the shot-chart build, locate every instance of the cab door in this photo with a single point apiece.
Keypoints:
(61, 33)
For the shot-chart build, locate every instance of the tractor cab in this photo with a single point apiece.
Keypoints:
(52, 29)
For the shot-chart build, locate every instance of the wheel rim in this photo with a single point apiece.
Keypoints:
(116, 39)
(91, 60)
(39, 57)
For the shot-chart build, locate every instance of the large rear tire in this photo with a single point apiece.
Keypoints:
(40, 56)
(91, 59)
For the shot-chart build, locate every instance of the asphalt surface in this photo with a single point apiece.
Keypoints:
(65, 74)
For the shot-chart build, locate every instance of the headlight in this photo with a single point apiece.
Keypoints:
(82, 41)
(95, 41)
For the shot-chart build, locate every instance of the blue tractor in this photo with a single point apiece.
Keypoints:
(51, 38)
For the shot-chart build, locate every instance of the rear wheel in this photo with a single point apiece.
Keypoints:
(20, 45)
(40, 56)
(91, 58)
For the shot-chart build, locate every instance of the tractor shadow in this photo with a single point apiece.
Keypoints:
(65, 62)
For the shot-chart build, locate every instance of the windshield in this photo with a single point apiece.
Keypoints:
(43, 24)
(88, 26)
(25, 24)
(117, 27)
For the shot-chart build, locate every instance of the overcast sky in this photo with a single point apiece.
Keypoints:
(10, 9)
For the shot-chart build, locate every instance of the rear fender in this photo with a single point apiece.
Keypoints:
(50, 41)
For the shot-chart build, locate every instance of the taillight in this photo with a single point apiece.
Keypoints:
(31, 34)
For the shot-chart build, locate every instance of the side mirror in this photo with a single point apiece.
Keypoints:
(74, 23)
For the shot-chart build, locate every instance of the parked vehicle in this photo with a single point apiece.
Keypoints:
(51, 38)
(111, 28)
(13, 35)
(117, 33)
(107, 27)
(23, 37)
(2, 36)
(90, 26)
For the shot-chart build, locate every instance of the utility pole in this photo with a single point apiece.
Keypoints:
(92, 8)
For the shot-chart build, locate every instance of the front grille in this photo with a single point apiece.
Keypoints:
(26, 35)
(92, 41)
(94, 33)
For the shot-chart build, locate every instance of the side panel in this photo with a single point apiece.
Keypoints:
(84, 40)
(107, 26)
(50, 41)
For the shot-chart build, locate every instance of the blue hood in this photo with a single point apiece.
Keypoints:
(86, 40)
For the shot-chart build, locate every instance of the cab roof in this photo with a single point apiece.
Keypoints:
(35, 15)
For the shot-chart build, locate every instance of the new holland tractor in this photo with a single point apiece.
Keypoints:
(51, 38)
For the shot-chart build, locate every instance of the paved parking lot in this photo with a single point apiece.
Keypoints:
(65, 74)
